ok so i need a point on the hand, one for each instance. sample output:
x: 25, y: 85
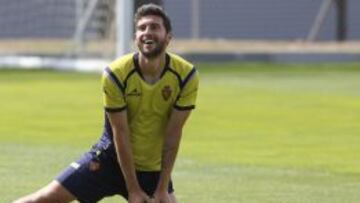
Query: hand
x: 139, y: 197
x: 161, y: 196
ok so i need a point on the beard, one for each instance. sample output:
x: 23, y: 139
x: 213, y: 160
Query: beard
x: 153, y: 53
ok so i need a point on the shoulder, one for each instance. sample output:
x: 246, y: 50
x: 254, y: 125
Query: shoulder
x: 178, y: 63
x: 122, y: 66
x: 181, y: 66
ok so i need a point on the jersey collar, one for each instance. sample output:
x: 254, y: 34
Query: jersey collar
x: 137, y: 66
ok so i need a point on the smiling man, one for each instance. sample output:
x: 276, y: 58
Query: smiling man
x: 148, y: 97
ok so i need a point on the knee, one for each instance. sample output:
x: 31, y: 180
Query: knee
x: 172, y: 198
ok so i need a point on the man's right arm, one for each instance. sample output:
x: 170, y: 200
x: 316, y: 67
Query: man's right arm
x: 121, y: 136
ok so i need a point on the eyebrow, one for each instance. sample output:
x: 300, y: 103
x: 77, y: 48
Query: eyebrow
x: 151, y: 23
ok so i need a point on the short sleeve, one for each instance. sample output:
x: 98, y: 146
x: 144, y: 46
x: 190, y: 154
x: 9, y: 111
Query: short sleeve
x: 189, y: 89
x: 113, y: 96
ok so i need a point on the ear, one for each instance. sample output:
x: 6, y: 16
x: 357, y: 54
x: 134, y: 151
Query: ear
x: 169, y: 36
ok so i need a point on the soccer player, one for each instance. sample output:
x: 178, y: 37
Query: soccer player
x: 148, y: 97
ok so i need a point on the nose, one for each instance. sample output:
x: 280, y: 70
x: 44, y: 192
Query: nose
x: 147, y: 30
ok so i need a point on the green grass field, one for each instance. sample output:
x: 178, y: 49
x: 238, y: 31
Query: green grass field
x: 261, y: 133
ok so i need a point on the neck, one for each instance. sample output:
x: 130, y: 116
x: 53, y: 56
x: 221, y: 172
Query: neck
x: 152, y: 66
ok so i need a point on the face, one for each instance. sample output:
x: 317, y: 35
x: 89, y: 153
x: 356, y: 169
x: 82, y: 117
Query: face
x: 151, y: 37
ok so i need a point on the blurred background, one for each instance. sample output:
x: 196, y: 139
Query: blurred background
x: 204, y: 30
x: 278, y: 110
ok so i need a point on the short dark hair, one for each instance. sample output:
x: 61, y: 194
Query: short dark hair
x: 153, y: 9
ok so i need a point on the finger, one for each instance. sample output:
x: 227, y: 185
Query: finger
x: 149, y: 200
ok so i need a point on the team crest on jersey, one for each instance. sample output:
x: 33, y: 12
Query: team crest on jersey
x: 166, y: 92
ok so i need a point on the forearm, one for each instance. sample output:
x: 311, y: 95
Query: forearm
x: 169, y: 154
x: 125, y: 159
x: 121, y: 138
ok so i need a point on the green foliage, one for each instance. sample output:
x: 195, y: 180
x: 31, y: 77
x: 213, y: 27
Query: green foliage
x: 261, y: 133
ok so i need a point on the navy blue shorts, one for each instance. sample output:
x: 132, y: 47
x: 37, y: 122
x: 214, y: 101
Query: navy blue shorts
x: 97, y: 175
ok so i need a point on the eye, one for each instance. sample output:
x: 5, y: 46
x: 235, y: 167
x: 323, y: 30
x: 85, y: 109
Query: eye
x: 141, y: 27
x: 154, y: 26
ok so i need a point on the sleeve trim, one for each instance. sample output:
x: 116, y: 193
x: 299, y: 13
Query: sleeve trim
x: 111, y: 110
x: 113, y: 77
x: 188, y: 77
x: 184, y: 108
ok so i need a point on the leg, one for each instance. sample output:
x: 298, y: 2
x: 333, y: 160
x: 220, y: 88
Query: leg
x: 93, y: 177
x: 89, y: 179
x: 52, y: 193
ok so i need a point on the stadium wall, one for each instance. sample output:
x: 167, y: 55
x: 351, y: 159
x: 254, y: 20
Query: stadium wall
x: 221, y: 24
x: 260, y: 19
x: 228, y: 19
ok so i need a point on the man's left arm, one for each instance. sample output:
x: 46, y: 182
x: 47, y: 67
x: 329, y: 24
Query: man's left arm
x: 180, y: 113
x: 170, y: 148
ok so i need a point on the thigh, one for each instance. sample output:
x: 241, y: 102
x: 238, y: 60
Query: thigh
x: 53, y: 192
x: 93, y: 177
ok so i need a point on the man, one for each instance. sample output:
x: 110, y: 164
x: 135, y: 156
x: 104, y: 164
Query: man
x: 148, y: 96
